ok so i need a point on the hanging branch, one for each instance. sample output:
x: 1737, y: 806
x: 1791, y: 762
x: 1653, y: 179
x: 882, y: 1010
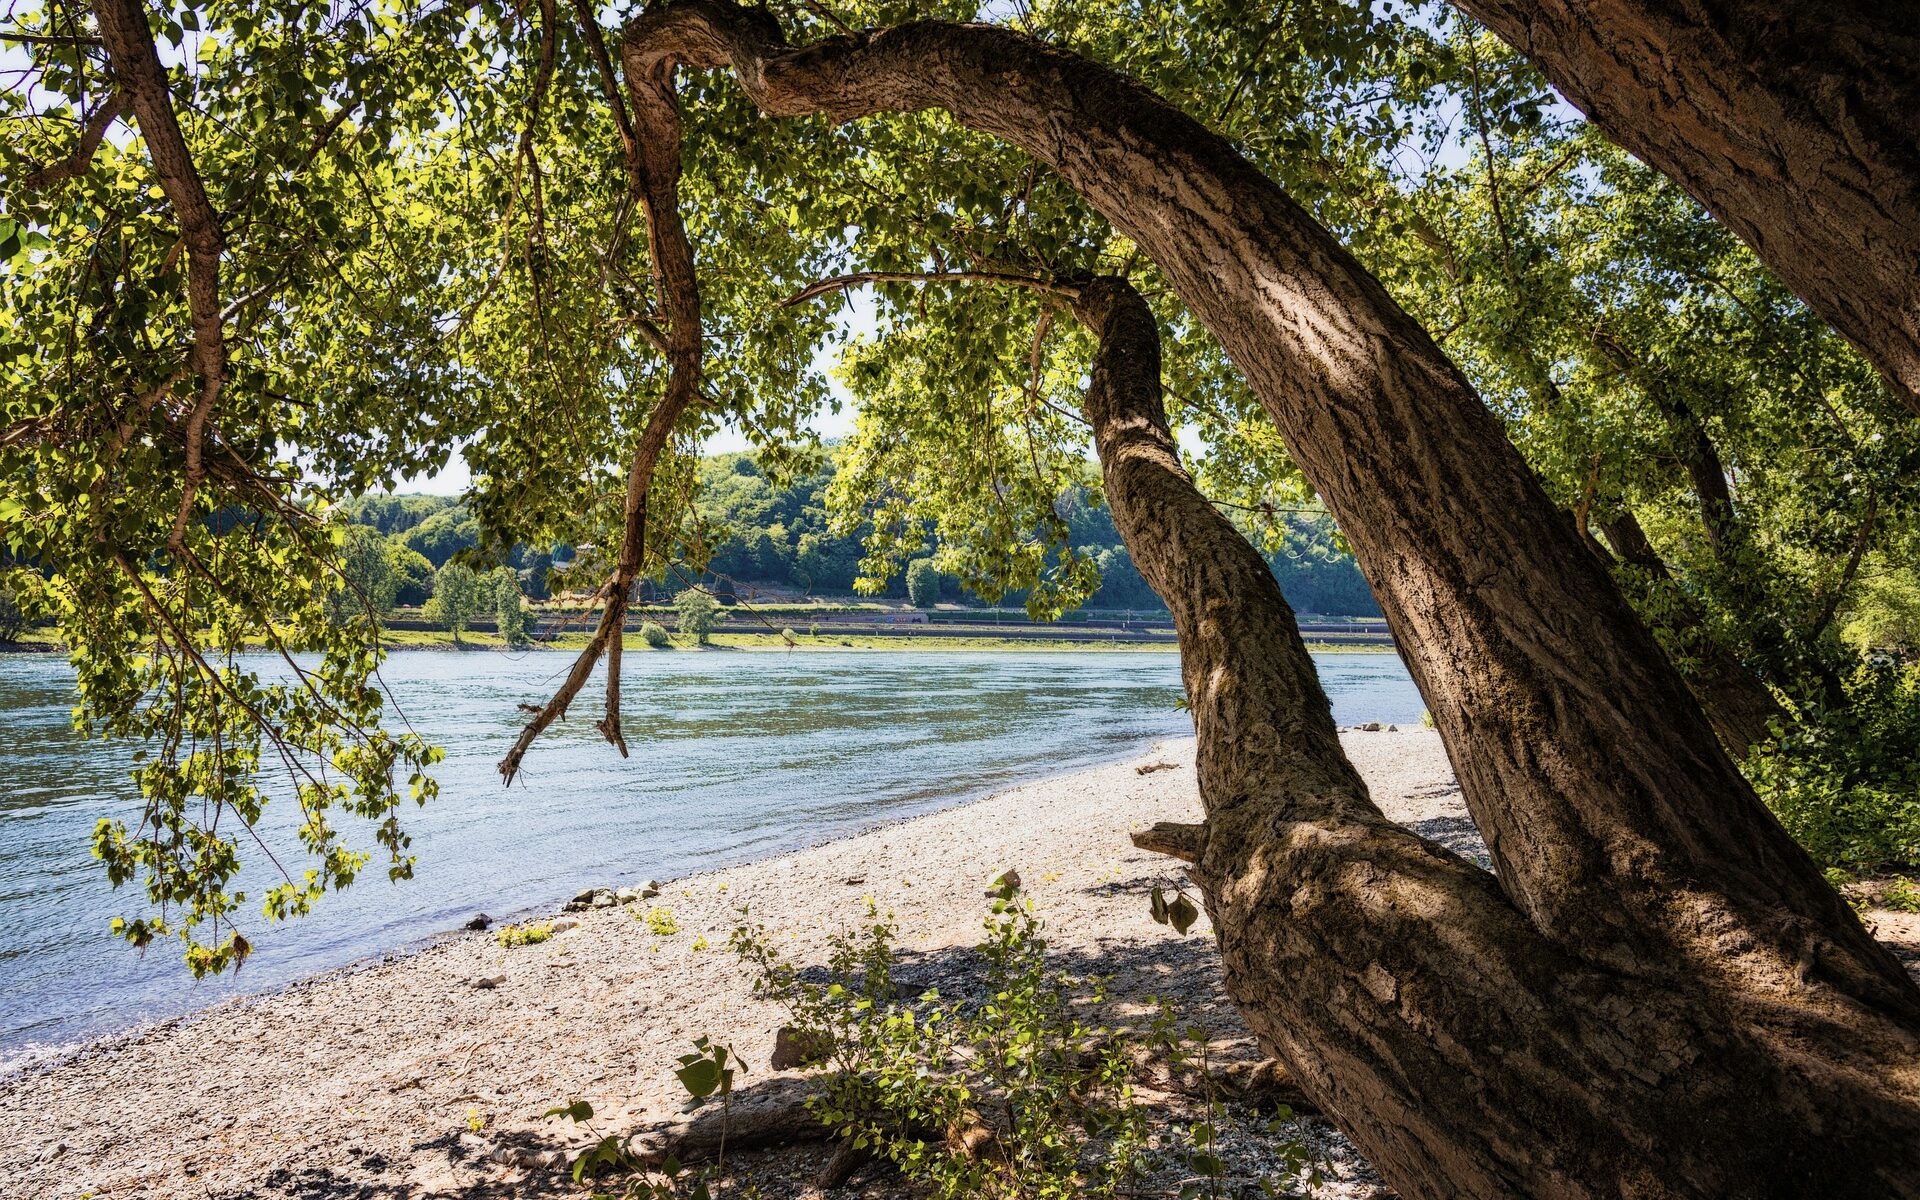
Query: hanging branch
x: 143, y: 81
x: 656, y: 132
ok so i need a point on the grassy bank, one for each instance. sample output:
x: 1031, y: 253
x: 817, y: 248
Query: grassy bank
x: 42, y: 640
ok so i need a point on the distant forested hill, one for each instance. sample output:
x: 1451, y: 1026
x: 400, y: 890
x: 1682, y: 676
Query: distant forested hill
x: 780, y: 536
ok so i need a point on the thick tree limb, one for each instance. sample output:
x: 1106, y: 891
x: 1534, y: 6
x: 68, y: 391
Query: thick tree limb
x: 1184, y: 842
x: 1651, y: 924
x: 143, y: 81
x: 1608, y: 806
x: 1391, y: 978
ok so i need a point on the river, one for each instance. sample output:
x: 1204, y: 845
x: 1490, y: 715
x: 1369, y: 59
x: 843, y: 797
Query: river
x: 736, y: 756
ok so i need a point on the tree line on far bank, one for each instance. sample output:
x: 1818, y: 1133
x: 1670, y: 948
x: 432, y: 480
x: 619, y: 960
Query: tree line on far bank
x: 783, y: 534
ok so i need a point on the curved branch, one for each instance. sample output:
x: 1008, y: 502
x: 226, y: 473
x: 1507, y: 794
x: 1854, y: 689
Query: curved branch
x: 656, y: 129
x: 1610, y: 810
x: 91, y: 136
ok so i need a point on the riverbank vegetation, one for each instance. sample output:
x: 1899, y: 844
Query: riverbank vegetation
x: 1634, y: 487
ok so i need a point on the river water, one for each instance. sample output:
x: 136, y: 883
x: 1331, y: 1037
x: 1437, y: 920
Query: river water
x: 736, y: 756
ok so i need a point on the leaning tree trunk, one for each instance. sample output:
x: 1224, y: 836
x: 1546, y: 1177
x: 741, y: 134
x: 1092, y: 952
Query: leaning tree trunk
x: 1466, y: 1053
x: 1796, y: 122
x: 1627, y: 847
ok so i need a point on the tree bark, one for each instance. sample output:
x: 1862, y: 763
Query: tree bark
x: 1639, y: 879
x: 1796, y: 122
x: 1467, y: 1054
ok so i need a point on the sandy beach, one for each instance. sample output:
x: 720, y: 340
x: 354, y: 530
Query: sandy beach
x: 402, y: 1078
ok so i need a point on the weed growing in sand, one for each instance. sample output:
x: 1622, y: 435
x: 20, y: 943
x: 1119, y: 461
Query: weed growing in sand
x: 524, y: 935
x: 659, y: 921
x: 706, y: 1074
x: 1901, y: 896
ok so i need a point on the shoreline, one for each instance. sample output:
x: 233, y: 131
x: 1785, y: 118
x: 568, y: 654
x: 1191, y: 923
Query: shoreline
x: 376, y: 1073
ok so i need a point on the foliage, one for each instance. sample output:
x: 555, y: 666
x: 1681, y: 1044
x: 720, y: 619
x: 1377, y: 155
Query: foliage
x: 923, y: 583
x: 412, y: 575
x: 530, y: 934
x: 655, y: 634
x: 1847, y: 785
x: 1885, y: 616
x: 368, y: 583
x: 659, y: 921
x: 13, y: 614
x: 913, y: 1078
x: 457, y: 598
x: 428, y: 247
x: 696, y: 612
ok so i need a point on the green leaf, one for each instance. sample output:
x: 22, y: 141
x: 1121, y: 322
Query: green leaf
x: 1181, y: 914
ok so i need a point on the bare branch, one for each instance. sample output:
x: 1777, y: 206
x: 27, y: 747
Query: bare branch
x: 1181, y: 841
x: 90, y: 139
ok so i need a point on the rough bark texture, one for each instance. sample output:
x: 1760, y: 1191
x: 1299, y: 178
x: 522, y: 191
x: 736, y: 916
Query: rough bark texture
x: 1656, y: 959
x: 1796, y: 122
x: 1467, y: 1054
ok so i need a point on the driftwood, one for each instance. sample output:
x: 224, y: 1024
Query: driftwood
x: 776, y: 1113
x: 769, y: 1114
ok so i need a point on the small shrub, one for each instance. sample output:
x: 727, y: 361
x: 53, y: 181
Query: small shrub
x: 524, y: 935
x: 1426, y: 718
x: 790, y: 637
x: 813, y: 630
x: 659, y: 920
x: 697, y: 613
x: 654, y: 634
x: 1901, y: 896
x: 909, y: 1076
x: 923, y: 583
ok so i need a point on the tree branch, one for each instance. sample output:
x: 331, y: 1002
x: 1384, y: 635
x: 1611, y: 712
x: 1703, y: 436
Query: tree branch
x: 143, y: 81
x: 82, y: 158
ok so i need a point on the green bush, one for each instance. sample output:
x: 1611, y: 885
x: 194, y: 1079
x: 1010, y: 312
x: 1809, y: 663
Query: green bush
x: 909, y: 1075
x: 1847, y: 786
x: 13, y: 618
x: 654, y: 634
x: 524, y: 935
x: 697, y: 613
